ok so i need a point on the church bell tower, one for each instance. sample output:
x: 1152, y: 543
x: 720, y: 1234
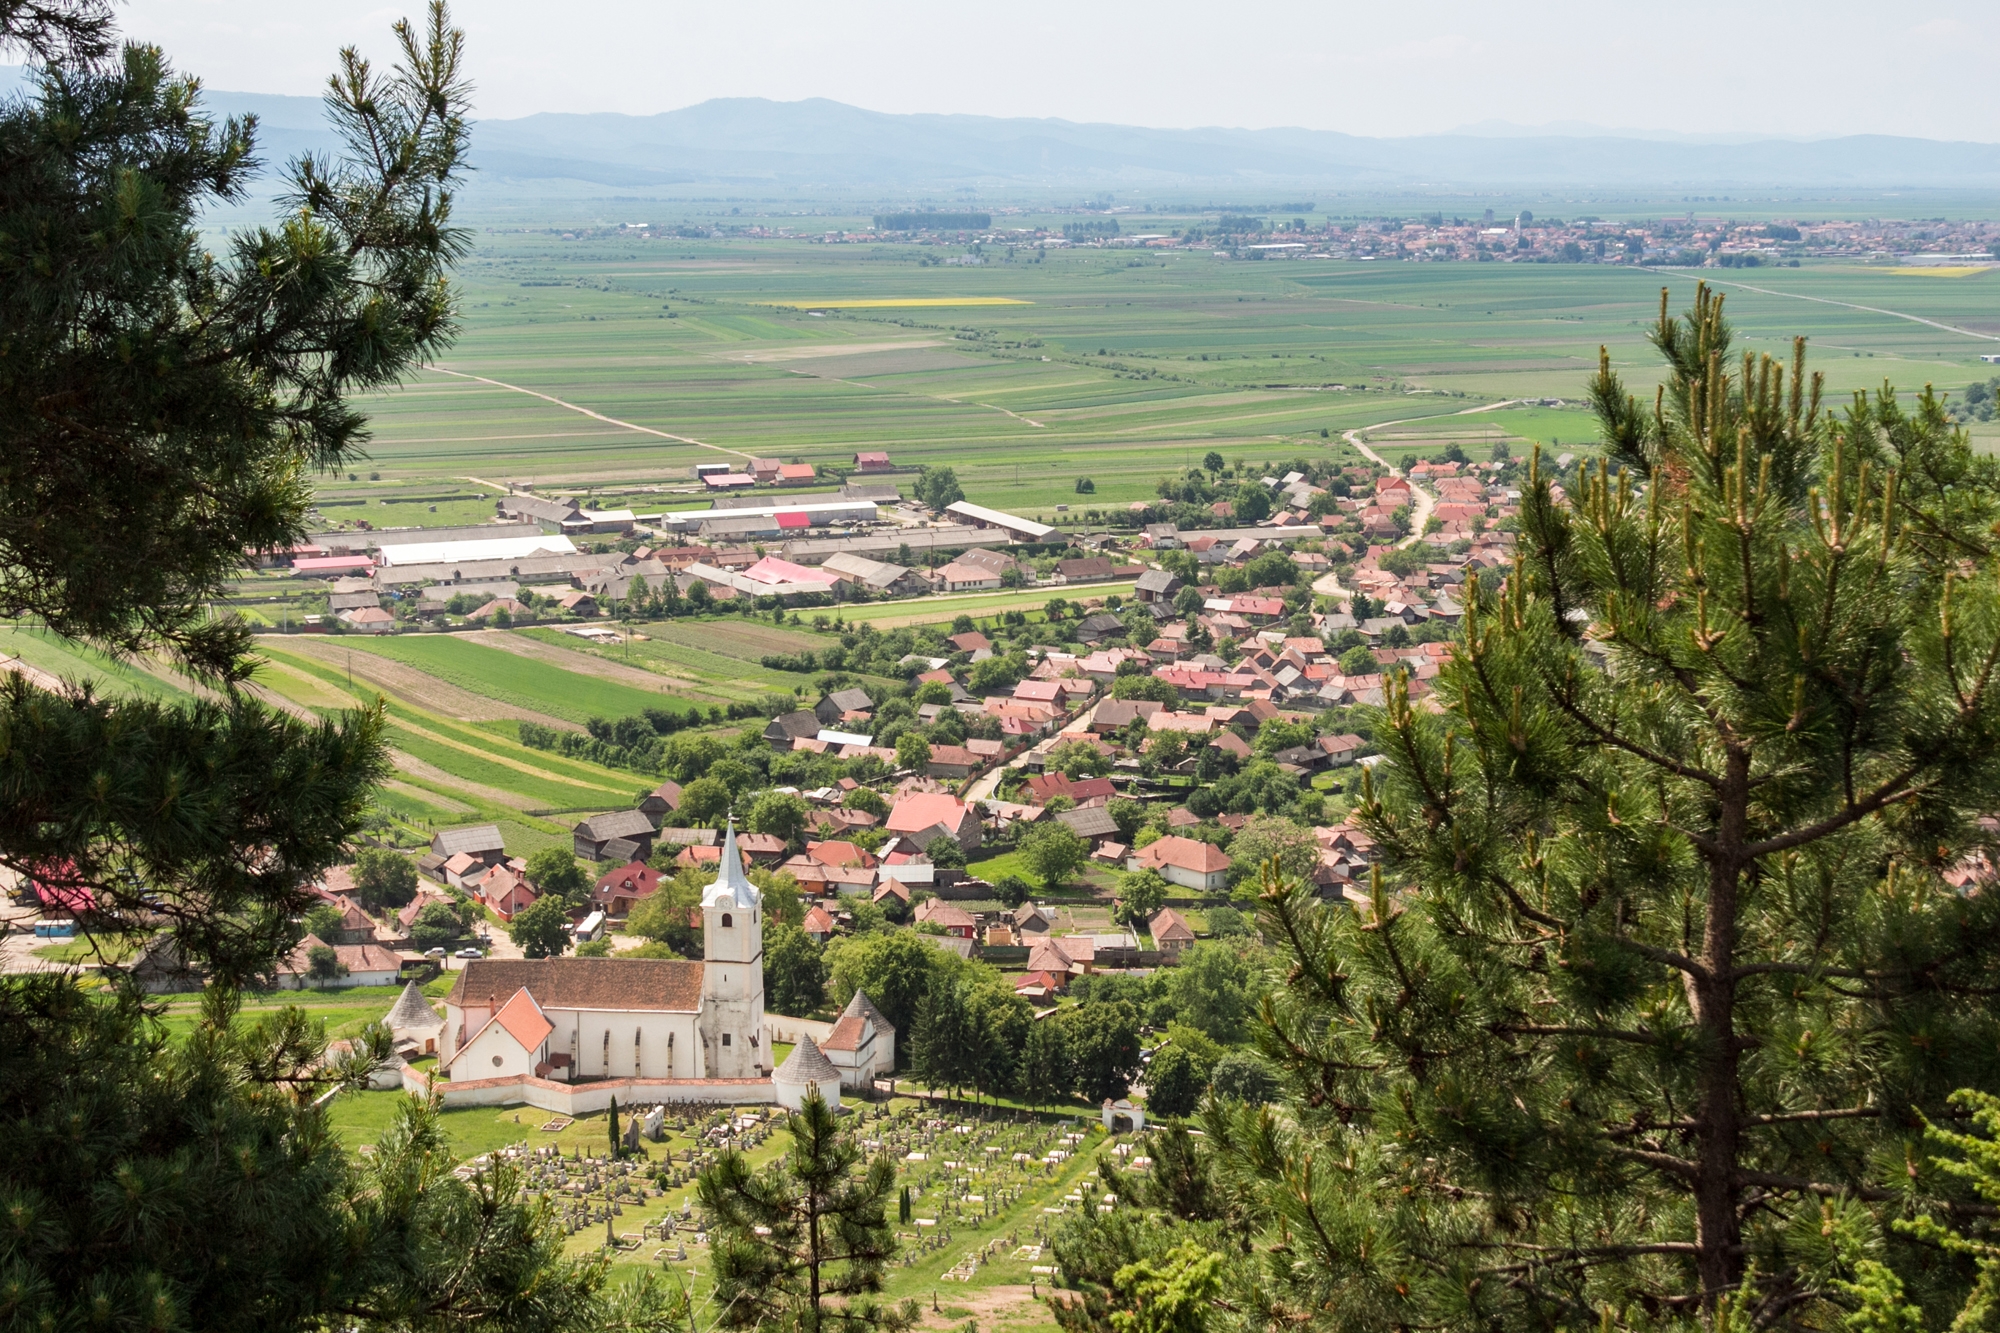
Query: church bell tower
x: 732, y: 986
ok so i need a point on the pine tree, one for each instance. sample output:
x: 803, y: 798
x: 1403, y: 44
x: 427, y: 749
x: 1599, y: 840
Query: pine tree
x: 611, y: 1124
x: 1666, y: 947
x: 788, y: 1239
x: 944, y: 1044
x: 161, y: 411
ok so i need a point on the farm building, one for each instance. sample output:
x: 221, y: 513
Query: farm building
x: 876, y: 576
x: 480, y: 842
x: 549, y: 514
x: 488, y: 548
x: 1016, y: 527
x: 958, y: 576
x: 872, y: 460
x: 623, y: 835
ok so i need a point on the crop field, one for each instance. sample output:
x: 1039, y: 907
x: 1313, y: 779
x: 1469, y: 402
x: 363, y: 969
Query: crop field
x: 549, y: 681
x: 708, y: 660
x: 1026, y: 374
x: 450, y: 769
x: 941, y: 610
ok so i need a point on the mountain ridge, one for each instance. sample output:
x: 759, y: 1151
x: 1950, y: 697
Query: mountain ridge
x: 821, y: 143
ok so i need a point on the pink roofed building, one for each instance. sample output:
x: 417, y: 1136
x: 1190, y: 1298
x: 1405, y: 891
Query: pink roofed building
x: 922, y: 816
x: 772, y: 570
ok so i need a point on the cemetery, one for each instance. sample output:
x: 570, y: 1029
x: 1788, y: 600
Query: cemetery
x: 980, y: 1188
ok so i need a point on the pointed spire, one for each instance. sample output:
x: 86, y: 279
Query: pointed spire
x: 732, y: 888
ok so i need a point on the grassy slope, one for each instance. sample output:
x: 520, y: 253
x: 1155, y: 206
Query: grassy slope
x: 41, y: 649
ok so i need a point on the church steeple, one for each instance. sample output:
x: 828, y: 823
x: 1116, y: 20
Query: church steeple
x: 732, y: 948
x: 732, y: 887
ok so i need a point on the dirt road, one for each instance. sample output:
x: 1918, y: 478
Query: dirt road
x: 1421, y: 500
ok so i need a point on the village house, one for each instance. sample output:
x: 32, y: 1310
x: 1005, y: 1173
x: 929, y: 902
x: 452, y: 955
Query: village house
x: 618, y: 891
x: 948, y: 917
x: 1192, y: 865
x: 922, y: 816
x: 1170, y: 932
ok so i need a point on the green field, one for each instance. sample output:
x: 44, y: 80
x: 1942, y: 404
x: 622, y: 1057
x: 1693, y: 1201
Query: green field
x: 1120, y: 367
x: 511, y: 678
x: 451, y: 771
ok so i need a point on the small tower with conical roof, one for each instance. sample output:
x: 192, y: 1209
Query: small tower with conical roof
x: 732, y: 988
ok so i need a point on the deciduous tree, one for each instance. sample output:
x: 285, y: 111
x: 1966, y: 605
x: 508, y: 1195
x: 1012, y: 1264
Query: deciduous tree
x: 1052, y: 852
x: 383, y: 878
x: 541, y: 929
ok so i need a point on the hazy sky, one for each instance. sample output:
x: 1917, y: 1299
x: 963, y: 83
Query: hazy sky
x: 1780, y: 67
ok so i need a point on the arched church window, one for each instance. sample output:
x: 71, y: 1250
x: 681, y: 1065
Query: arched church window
x: 727, y: 922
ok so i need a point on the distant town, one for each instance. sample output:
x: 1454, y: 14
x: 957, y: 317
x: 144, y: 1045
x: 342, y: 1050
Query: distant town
x: 1691, y: 240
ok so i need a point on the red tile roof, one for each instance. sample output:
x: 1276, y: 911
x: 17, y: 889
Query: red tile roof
x: 672, y: 984
x: 1186, y: 854
x: 920, y: 810
x: 524, y: 1020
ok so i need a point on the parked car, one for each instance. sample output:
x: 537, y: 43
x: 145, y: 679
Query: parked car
x: 470, y: 953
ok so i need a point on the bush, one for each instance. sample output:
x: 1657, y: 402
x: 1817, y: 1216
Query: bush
x: 1012, y: 890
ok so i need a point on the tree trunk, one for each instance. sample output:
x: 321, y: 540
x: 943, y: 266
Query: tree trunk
x: 1718, y: 1114
x: 812, y: 1241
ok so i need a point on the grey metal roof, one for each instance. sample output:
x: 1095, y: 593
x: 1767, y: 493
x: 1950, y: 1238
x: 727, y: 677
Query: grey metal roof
x: 617, y: 824
x: 478, y: 838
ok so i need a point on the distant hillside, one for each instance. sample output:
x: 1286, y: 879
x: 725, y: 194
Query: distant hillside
x: 818, y: 142
x: 748, y: 141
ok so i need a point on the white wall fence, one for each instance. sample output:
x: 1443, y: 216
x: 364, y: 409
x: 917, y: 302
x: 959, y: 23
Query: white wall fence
x: 587, y: 1098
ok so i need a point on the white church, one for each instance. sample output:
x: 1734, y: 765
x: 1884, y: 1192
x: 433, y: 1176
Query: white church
x: 570, y: 1034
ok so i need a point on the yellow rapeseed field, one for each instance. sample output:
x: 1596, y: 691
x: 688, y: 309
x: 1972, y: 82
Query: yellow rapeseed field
x: 892, y: 302
x: 1941, y: 272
